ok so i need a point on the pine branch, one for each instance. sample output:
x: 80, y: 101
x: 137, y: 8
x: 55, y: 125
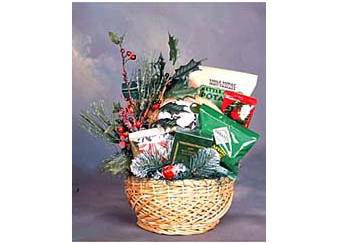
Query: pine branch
x: 206, y: 164
x: 146, y: 163
x: 100, y: 112
x: 99, y: 124
x: 118, y: 163
x: 151, y: 81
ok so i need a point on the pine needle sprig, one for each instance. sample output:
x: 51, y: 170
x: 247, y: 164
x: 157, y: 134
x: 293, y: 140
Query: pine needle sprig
x: 206, y: 164
x: 100, y: 112
x: 146, y: 163
x: 118, y: 163
x: 99, y: 124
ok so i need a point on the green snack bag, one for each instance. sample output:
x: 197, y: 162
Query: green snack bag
x: 231, y: 139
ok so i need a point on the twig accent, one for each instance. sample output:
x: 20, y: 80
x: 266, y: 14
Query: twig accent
x: 125, y: 76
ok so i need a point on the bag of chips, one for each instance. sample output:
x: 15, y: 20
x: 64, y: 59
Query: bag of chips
x: 232, y: 140
x: 214, y: 81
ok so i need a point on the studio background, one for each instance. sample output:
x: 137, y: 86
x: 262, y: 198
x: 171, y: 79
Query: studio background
x: 229, y: 35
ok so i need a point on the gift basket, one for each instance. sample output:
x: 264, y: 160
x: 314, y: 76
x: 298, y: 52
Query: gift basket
x: 181, y: 133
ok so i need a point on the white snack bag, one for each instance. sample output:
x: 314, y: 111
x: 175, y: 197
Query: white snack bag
x: 214, y: 81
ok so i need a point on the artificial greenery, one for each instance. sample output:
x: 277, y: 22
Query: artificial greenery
x: 115, y: 38
x: 149, y: 85
x: 180, y: 78
x: 101, y: 123
x: 165, y: 123
x: 151, y: 81
x: 174, y: 52
x: 145, y: 164
x: 173, y: 108
x: 204, y: 164
x: 118, y: 163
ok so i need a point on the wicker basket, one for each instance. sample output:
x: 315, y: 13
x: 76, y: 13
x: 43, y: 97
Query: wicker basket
x: 182, y: 207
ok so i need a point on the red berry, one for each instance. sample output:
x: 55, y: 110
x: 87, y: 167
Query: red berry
x: 121, y: 136
x: 129, y: 53
x: 133, y: 57
x: 168, y: 172
x: 138, y: 124
x: 125, y: 134
x: 122, y: 144
x: 120, y: 129
x: 235, y: 115
x: 156, y: 106
x: 122, y: 50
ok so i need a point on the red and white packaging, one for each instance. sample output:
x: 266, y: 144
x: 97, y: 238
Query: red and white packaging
x: 239, y: 107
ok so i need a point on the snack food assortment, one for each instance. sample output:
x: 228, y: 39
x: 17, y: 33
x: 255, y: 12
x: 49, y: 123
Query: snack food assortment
x: 172, y: 119
x: 184, y: 124
x: 214, y: 81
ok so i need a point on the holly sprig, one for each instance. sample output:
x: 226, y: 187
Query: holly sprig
x: 153, y: 85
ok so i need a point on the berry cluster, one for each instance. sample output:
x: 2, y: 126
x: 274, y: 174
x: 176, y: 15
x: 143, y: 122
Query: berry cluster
x: 129, y: 124
x: 128, y: 54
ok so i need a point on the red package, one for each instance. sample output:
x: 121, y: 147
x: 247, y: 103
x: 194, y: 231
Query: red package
x: 239, y: 107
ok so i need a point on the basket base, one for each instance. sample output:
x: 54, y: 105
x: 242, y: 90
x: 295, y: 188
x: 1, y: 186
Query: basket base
x: 182, y: 207
x: 178, y: 229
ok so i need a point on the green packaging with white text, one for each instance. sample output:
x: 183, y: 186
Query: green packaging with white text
x: 232, y: 139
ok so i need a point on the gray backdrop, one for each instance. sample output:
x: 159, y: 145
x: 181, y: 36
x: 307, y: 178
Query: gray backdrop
x: 229, y: 35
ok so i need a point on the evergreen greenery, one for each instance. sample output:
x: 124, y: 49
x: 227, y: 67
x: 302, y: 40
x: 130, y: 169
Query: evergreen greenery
x: 204, y: 164
x: 118, y: 163
x: 100, y: 123
x: 145, y: 164
x: 152, y: 86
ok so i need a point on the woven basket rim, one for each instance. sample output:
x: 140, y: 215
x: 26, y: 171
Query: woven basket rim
x: 180, y: 180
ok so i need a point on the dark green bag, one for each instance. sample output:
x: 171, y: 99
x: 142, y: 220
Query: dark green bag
x: 232, y: 140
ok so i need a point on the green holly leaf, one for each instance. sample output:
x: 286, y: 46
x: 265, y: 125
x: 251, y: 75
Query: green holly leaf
x: 174, y: 52
x: 161, y: 64
x: 173, y: 108
x: 165, y: 123
x: 116, y: 38
x: 180, y: 77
